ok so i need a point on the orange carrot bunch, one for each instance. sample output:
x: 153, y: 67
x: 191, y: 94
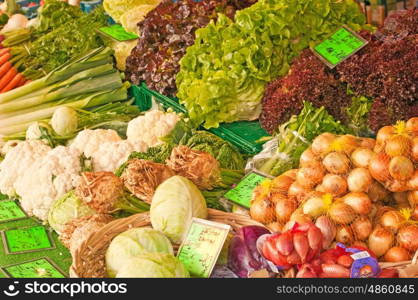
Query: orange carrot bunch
x: 10, y: 78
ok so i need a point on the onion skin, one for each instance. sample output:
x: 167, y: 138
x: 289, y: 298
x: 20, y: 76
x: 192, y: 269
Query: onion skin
x: 301, y: 244
x: 334, y: 271
x: 414, y: 149
x: 401, y: 168
x: 397, y: 186
x: 368, y: 143
x: 336, y: 163
x: 263, y: 211
x: 359, y: 202
x: 384, y: 134
x: 281, y: 184
x: 392, y: 220
x: 408, y: 237
x: 401, y: 199
x: 348, y: 143
x: 359, y: 244
x: 412, y: 197
x: 359, y: 180
x: 275, y: 227
x: 334, y: 184
x: 398, y: 145
x: 344, y: 235
x: 342, y: 213
x: 284, y: 209
x: 310, y: 177
x: 298, y: 192
x: 284, y: 243
x: 314, y: 238
x: 380, y: 241
x: 328, y: 230
x: 362, y: 227
x: 377, y: 192
x: 413, y: 182
x: 412, y: 125
x: 379, y: 167
x: 361, y: 157
x: 291, y: 173
x: 321, y: 145
x: 308, y: 158
x: 397, y: 254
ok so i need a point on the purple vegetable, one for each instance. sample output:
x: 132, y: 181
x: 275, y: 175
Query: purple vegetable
x: 244, y: 257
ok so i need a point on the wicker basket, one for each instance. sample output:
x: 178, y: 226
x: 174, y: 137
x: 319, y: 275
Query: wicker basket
x: 88, y: 259
x: 406, y: 269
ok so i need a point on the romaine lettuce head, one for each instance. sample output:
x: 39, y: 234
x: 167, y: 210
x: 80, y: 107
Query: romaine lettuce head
x: 175, y: 202
x: 132, y: 243
x: 66, y: 209
x: 153, y: 265
x: 116, y: 8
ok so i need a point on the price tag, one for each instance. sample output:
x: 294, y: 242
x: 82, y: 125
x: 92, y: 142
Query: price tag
x: 38, y: 268
x: 28, y: 239
x: 242, y: 193
x: 339, y: 46
x: 10, y: 211
x: 202, y: 246
x: 360, y: 255
x: 118, y: 33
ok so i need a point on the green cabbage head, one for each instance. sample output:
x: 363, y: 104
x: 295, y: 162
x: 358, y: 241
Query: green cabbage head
x: 175, y: 202
x: 132, y: 243
x: 66, y: 209
x: 153, y: 265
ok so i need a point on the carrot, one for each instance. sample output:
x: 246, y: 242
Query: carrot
x: 5, y: 80
x: 13, y: 83
x: 4, y: 68
x: 5, y: 57
x: 21, y: 82
x: 4, y: 50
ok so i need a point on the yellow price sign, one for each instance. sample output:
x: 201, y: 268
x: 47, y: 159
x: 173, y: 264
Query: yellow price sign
x: 202, y: 246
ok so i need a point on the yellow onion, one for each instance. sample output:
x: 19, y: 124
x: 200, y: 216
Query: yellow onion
x: 284, y: 208
x: 379, y: 167
x: 377, y: 192
x: 334, y: 184
x: 392, y: 220
x: 346, y: 143
x: 412, y: 125
x: 281, y: 184
x: 397, y: 254
x: 401, y: 168
x: 291, y: 173
x: 359, y: 202
x: 344, y: 234
x: 368, y: 143
x: 308, y: 158
x: 413, y: 182
x: 401, y: 199
x: 414, y: 215
x: 319, y: 188
x: 359, y: 244
x: 300, y: 218
x: 359, y: 180
x: 263, y: 211
x: 412, y: 197
x: 398, y: 145
x: 361, y: 157
x: 275, y: 227
x: 384, y: 134
x: 336, y: 163
x: 297, y: 191
x: 381, y: 240
x: 310, y: 176
x: 321, y: 145
x: 397, y: 186
x: 414, y: 149
x: 328, y: 230
x: 362, y: 227
x: 315, y: 205
x: 408, y: 237
x: 342, y: 213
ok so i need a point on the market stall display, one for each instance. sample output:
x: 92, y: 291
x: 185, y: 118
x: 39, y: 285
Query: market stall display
x: 136, y: 149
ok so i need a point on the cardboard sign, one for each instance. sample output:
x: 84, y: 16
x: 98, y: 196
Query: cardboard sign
x: 118, y: 33
x: 339, y: 46
x: 28, y: 239
x: 10, y: 211
x: 202, y: 246
x: 242, y: 193
x: 38, y: 268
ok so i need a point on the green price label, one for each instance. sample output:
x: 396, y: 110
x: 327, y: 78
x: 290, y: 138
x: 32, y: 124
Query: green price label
x: 27, y: 239
x: 10, y: 210
x: 117, y: 32
x: 339, y: 46
x: 202, y: 246
x: 39, y: 268
x: 242, y: 193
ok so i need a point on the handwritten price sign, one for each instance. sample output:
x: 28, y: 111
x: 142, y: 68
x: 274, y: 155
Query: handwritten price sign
x: 10, y: 211
x: 242, y: 193
x: 39, y: 268
x: 27, y: 239
x: 202, y: 246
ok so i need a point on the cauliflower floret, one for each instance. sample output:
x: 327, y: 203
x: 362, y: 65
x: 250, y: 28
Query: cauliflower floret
x: 17, y: 161
x: 88, y: 141
x: 111, y: 155
x: 152, y: 126
x: 48, y: 179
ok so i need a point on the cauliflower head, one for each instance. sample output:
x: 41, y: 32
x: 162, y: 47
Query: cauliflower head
x: 47, y: 179
x: 88, y: 141
x: 17, y: 161
x: 151, y: 127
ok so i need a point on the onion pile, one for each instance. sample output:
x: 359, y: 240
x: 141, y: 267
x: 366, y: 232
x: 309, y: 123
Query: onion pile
x: 357, y: 191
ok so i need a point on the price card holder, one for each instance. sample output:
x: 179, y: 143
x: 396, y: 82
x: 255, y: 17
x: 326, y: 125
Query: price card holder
x: 202, y: 245
x: 241, y: 194
x: 37, y: 268
x: 339, y: 46
x: 27, y: 239
x: 117, y: 32
x: 10, y: 211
